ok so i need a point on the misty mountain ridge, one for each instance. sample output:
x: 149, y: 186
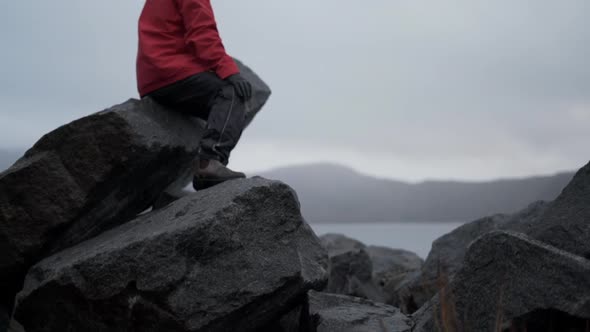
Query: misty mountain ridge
x: 331, y: 193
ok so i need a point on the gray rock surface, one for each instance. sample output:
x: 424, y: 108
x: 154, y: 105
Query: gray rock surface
x: 391, y: 267
x: 351, y: 269
x: 8, y: 325
x: 233, y: 257
x: 93, y: 174
x: 341, y: 313
x: 405, y: 292
x: 506, y: 277
x: 566, y: 223
x: 393, y: 261
x: 448, y: 251
x: 296, y: 320
x: 260, y: 91
x: 85, y: 177
x: 15, y: 327
x: 337, y: 244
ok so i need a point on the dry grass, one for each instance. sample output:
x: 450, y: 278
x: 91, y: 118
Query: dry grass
x: 447, y: 320
x: 446, y: 315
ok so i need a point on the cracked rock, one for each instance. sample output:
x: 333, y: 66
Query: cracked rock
x: 92, y: 174
x: 234, y: 257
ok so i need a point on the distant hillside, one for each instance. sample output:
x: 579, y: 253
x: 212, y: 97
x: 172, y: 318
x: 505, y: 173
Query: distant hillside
x: 332, y: 193
x: 8, y: 157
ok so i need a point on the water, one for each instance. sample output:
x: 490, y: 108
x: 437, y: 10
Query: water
x: 416, y: 237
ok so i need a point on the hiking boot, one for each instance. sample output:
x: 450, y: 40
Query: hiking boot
x: 212, y: 172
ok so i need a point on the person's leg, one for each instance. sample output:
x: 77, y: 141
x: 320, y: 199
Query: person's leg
x: 226, y: 121
x: 207, y: 96
x: 192, y: 95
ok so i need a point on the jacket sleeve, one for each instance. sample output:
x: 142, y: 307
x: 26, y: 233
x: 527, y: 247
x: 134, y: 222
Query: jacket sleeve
x: 203, y: 38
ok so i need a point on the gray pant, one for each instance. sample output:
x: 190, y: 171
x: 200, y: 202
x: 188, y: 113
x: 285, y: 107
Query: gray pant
x: 208, y: 97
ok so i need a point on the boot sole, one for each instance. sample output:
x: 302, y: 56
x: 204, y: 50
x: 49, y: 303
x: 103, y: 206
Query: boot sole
x: 202, y: 184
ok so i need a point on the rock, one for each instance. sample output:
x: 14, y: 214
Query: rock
x: 566, y: 223
x: 563, y: 223
x: 295, y: 320
x: 165, y: 198
x: 443, y: 261
x: 403, y: 292
x: 448, y: 251
x: 391, y: 267
x: 4, y: 319
x: 337, y: 244
x: 351, y: 269
x: 335, y: 312
x: 15, y: 327
x: 260, y: 91
x: 85, y: 177
x: 507, y: 279
x: 234, y: 257
x: 93, y: 174
x: 388, y: 261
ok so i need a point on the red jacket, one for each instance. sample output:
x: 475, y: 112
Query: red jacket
x: 177, y: 39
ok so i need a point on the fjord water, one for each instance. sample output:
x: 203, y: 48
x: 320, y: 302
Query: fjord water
x: 416, y: 237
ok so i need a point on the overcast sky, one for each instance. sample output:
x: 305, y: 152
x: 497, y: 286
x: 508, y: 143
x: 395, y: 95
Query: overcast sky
x: 402, y: 89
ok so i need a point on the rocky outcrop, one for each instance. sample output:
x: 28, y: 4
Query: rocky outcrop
x: 87, y: 176
x: 563, y: 223
x: 509, y: 279
x: 566, y: 223
x: 234, y: 257
x: 337, y: 244
x: 332, y: 312
x: 15, y: 326
x: 296, y: 320
x: 391, y: 267
x: 260, y: 91
x: 92, y: 174
x: 448, y: 251
x: 351, y: 269
x: 370, y: 272
x: 389, y: 262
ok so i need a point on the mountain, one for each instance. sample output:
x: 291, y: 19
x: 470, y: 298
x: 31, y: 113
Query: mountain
x: 331, y: 193
x: 335, y: 194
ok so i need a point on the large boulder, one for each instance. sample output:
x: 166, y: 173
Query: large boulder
x: 509, y: 280
x: 351, y: 269
x: 566, y: 223
x: 234, y: 257
x: 260, y: 91
x: 93, y: 174
x: 15, y: 326
x: 335, y: 312
x: 85, y: 177
x: 8, y: 325
x: 448, y: 252
x: 391, y: 267
x: 296, y: 320
x: 389, y: 261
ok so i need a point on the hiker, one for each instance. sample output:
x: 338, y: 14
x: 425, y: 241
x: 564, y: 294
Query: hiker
x: 182, y: 64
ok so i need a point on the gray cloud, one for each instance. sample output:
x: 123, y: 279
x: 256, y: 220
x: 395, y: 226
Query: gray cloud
x: 430, y: 89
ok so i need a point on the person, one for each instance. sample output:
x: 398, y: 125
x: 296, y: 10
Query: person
x: 182, y: 64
